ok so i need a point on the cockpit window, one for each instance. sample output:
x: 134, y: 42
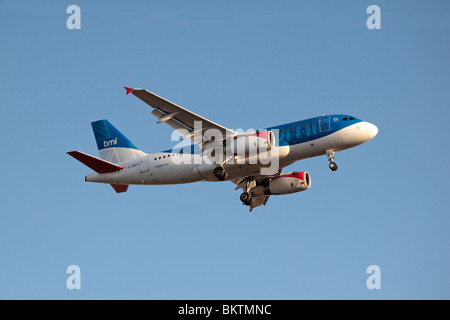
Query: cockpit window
x: 351, y: 118
x: 345, y: 119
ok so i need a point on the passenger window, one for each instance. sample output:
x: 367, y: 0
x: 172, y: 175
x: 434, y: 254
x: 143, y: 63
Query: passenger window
x: 159, y: 157
x: 155, y: 159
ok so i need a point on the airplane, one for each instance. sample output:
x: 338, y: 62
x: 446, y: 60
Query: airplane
x: 252, y: 160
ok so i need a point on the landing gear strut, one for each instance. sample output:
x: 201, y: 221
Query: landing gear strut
x: 333, y: 166
x: 246, y: 196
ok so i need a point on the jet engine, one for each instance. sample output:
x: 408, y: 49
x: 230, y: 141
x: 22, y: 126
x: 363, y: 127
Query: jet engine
x: 287, y: 183
x: 246, y: 144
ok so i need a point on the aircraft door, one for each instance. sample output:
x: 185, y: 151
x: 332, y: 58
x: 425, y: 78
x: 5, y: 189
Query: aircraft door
x: 143, y: 164
x: 324, y: 123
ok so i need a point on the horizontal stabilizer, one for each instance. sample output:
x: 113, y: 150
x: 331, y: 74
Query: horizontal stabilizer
x: 96, y: 164
x: 120, y: 187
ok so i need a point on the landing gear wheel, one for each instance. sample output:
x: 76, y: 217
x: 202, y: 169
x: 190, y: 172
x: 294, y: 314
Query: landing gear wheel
x: 220, y: 173
x: 246, y: 198
x: 333, y: 166
x: 330, y: 155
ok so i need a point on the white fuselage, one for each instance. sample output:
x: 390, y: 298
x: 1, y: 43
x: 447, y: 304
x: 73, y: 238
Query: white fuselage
x: 168, y: 168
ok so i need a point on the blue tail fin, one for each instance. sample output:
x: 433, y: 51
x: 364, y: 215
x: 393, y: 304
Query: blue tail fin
x: 112, y: 145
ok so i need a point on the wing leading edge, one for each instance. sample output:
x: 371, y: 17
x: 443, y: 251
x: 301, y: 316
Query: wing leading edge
x: 175, y: 116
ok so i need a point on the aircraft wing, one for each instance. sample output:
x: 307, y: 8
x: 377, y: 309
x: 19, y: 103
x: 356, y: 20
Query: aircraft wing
x: 175, y: 116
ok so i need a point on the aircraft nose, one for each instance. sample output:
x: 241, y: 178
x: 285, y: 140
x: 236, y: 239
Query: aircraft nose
x: 369, y: 129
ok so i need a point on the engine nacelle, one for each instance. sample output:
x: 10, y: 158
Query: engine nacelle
x: 247, y: 144
x: 288, y: 183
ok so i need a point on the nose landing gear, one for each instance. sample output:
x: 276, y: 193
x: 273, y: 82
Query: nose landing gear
x: 330, y: 154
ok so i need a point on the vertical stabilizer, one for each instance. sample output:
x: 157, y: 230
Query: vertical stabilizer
x: 112, y: 145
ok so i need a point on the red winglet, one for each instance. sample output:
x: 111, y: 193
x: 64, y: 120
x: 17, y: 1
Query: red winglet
x: 96, y: 164
x: 129, y: 90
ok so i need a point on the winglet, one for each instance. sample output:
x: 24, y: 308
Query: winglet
x: 129, y: 90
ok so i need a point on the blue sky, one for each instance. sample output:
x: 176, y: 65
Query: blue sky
x: 243, y: 64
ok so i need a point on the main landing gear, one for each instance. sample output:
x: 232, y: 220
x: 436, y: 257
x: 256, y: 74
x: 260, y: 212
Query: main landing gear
x: 220, y: 173
x: 333, y: 166
x: 246, y: 196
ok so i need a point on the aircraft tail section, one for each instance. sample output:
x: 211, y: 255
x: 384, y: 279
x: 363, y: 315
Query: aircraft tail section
x: 100, y: 166
x: 112, y: 145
